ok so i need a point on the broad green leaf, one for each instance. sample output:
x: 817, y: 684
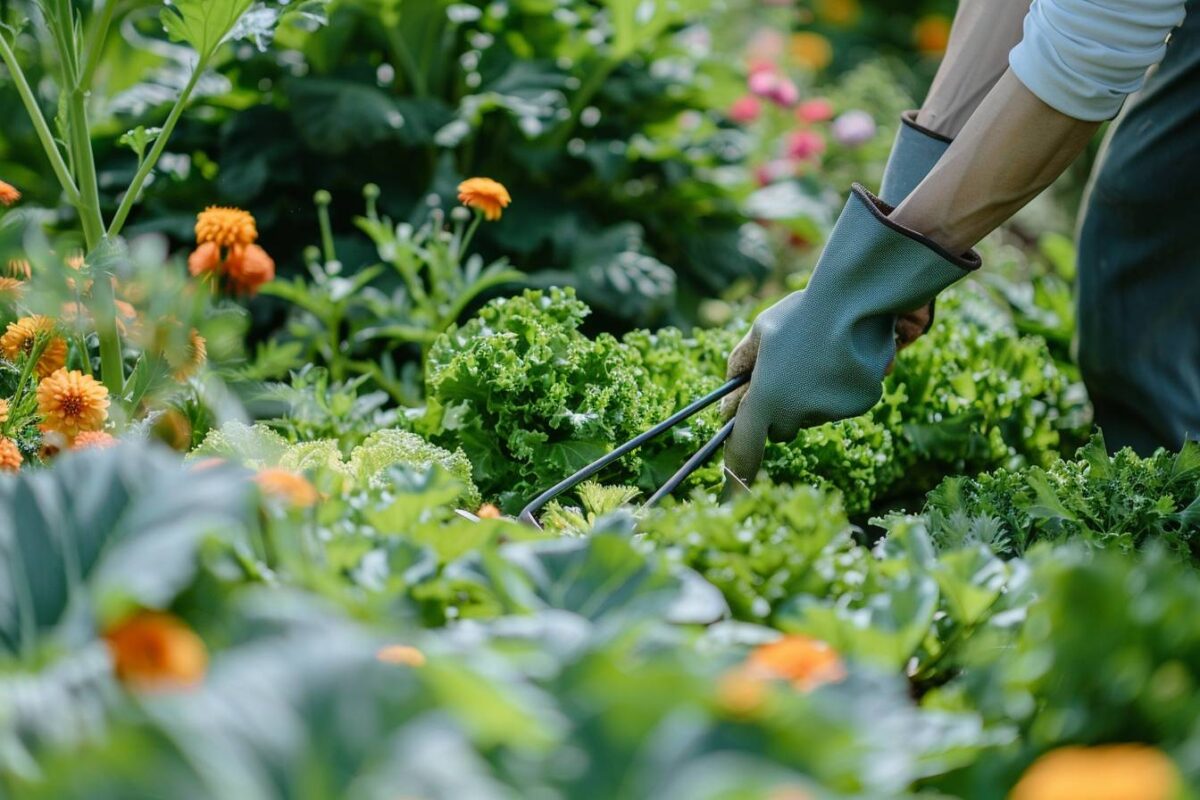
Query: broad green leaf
x: 102, y: 530
x: 204, y: 24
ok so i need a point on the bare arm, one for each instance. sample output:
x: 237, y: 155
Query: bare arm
x: 1011, y: 148
x: 984, y: 32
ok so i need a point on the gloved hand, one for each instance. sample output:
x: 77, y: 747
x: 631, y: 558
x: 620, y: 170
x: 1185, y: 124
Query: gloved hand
x: 820, y: 354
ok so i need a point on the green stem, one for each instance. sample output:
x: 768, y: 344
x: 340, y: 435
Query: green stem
x: 112, y: 362
x: 85, y: 168
x: 465, y: 242
x: 97, y: 35
x: 322, y: 200
x: 61, y: 171
x: 34, y: 355
x: 135, y: 187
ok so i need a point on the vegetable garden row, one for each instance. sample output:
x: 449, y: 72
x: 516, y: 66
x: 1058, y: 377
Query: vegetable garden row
x: 258, y: 539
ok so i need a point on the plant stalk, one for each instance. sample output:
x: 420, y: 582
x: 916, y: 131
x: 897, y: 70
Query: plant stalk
x: 97, y: 35
x: 61, y: 171
x: 160, y: 144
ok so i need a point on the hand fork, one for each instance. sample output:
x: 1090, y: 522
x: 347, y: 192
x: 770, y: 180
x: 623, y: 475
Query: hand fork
x: 672, y: 483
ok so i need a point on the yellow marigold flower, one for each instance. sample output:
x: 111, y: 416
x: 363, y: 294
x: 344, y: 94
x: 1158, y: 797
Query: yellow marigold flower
x: 154, y: 651
x: 93, y: 440
x: 249, y: 268
x: 811, y: 50
x: 19, y: 339
x: 1108, y: 772
x: 401, y: 654
x: 205, y: 258
x: 488, y: 511
x: 195, y: 356
x: 20, y: 268
x: 807, y: 663
x: 931, y: 34
x: 293, y: 489
x: 10, y: 289
x: 486, y: 195
x: 8, y: 193
x: 3, y: 411
x: 226, y: 227
x: 10, y: 455
x: 71, y: 402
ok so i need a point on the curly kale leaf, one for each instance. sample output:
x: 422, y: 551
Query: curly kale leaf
x: 763, y: 548
x: 531, y: 399
x: 1121, y: 502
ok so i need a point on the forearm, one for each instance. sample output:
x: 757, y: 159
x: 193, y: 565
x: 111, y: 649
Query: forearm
x: 1011, y: 148
x: 984, y: 32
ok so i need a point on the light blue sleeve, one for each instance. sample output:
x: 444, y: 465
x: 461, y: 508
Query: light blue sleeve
x: 1083, y: 57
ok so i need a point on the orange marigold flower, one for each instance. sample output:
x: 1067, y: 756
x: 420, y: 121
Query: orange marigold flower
x: 10, y: 455
x: 486, y: 195
x: 811, y: 50
x: 8, y: 193
x: 10, y: 289
x: 93, y: 440
x: 75, y: 260
x: 3, y: 411
x: 807, y: 663
x: 194, y: 358
x: 153, y: 651
x: 1108, y: 772
x: 205, y: 258
x: 932, y: 34
x: 293, y: 489
x: 249, y: 268
x: 173, y: 429
x: 20, y: 268
x: 226, y: 227
x: 741, y: 693
x: 401, y: 654
x: 488, y: 511
x: 19, y: 338
x: 71, y: 402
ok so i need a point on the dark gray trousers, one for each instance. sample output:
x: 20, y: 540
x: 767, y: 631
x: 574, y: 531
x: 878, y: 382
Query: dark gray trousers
x: 1139, y: 260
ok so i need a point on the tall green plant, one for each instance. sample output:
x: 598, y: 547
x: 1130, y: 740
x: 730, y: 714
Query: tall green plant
x: 76, y: 43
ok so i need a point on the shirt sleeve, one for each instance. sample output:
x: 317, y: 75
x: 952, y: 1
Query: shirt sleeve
x: 1084, y: 57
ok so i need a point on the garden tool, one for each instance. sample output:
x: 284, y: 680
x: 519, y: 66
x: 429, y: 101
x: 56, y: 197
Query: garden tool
x: 672, y: 483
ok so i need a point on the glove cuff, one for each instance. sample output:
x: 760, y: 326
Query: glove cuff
x: 915, y: 152
x: 875, y: 266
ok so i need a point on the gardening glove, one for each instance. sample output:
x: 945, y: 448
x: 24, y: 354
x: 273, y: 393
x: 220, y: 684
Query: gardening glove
x: 914, y: 153
x: 820, y: 354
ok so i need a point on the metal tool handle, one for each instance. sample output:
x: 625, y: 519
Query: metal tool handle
x: 527, y: 513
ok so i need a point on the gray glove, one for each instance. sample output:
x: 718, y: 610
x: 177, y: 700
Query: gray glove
x: 820, y: 354
x: 915, y: 152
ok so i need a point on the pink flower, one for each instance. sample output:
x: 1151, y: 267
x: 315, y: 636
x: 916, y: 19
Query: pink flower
x: 772, y: 171
x: 816, y: 110
x: 762, y: 82
x: 766, y: 45
x: 853, y: 128
x: 805, y: 145
x: 786, y: 93
x: 745, y: 109
x: 774, y: 87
